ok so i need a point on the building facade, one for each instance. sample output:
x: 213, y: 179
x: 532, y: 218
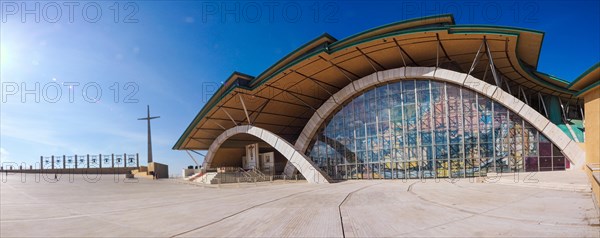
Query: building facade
x: 427, y: 129
x: 422, y: 98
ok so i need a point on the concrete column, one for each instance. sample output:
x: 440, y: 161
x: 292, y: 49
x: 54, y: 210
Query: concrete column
x: 64, y: 162
x: 100, y: 159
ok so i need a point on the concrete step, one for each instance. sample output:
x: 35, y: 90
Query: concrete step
x: 143, y: 175
x: 194, y: 176
x: 555, y: 186
x: 559, y: 180
x: 206, y: 178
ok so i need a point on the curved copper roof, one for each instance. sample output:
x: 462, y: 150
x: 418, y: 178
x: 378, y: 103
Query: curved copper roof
x: 284, y: 97
x: 586, y: 81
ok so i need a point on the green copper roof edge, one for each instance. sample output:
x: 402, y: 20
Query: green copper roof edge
x: 349, y: 38
x: 330, y: 50
x: 303, y: 57
x: 536, y: 78
x: 240, y: 74
x: 302, y: 47
x: 537, y: 62
x: 201, y: 115
x: 518, y: 29
x: 336, y: 48
x: 533, y: 76
x: 585, y: 73
x: 543, y: 81
x: 209, y: 107
x: 512, y: 28
x: 400, y: 32
x: 584, y: 90
x: 473, y: 32
x: 553, y: 77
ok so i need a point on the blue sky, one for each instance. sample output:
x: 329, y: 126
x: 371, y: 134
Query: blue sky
x: 173, y: 54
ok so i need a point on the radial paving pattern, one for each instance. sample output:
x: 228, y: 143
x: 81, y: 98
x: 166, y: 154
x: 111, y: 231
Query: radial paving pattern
x: 373, y: 208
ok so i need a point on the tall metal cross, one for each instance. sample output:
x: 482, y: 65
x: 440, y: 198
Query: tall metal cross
x: 148, y: 118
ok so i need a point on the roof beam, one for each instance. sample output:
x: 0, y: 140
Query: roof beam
x: 222, y: 127
x: 268, y: 113
x: 437, y: 55
x: 506, y: 52
x: 371, y: 61
x: 476, y: 59
x: 276, y: 100
x: 507, y: 87
x: 315, y: 81
x: 442, y: 46
x: 299, y: 99
x: 206, y: 138
x: 263, y: 88
x: 210, y: 129
x: 300, y: 94
x: 403, y: 51
x: 564, y: 112
x: 485, y: 73
x: 491, y: 61
x: 257, y: 123
x: 230, y: 117
x: 524, y: 95
x: 289, y: 124
x: 541, y: 99
x: 245, y: 110
x: 341, y: 70
x: 261, y: 107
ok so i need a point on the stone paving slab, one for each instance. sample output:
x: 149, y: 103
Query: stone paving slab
x: 369, y: 208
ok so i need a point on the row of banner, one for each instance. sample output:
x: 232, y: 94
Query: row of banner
x: 89, y: 161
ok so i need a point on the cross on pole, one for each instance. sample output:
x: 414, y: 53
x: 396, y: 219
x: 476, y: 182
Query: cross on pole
x: 148, y: 118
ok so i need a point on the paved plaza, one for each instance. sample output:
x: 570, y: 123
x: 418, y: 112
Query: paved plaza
x: 99, y: 206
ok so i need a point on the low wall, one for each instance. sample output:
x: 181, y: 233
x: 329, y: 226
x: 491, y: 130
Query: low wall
x: 161, y: 170
x: 122, y: 170
x: 593, y: 172
x: 189, y: 172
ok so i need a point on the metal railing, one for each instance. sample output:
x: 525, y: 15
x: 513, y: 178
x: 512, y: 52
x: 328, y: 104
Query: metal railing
x: 241, y: 176
x: 284, y: 177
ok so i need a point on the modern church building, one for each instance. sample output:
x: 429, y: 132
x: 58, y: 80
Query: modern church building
x: 422, y: 98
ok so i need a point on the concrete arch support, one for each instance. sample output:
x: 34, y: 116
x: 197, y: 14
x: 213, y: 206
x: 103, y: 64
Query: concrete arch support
x: 296, y: 160
x: 569, y: 147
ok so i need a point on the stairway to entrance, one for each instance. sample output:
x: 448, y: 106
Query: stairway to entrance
x: 238, y: 175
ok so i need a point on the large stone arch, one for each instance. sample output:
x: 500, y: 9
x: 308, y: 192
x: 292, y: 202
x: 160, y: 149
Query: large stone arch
x: 296, y: 159
x: 568, y: 147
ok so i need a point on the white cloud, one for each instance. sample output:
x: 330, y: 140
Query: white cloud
x: 3, y: 154
x: 32, y: 130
